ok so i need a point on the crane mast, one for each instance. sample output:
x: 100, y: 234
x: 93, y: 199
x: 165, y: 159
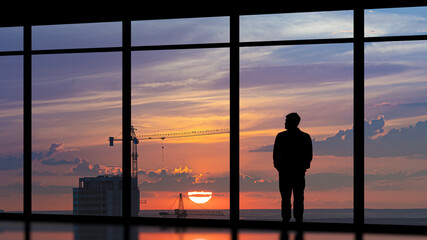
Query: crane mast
x: 134, y: 156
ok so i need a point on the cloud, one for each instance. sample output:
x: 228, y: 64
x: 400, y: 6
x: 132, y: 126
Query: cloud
x: 84, y: 168
x: 46, y: 159
x: 11, y: 162
x: 331, y: 181
x: 54, y: 162
x: 257, y: 184
x: 296, y: 26
x: 175, y: 31
x: 328, y: 181
x: 37, y: 188
x: 16, y: 161
x: 296, y: 76
x: 394, y: 22
x: 59, y: 148
x: 405, y: 141
x: 181, y: 178
x: 54, y: 149
x: 185, y: 179
x: 383, y: 69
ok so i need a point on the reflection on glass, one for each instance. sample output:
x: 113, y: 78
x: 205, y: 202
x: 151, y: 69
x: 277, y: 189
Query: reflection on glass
x: 180, y: 108
x: 87, y: 35
x: 67, y: 231
x: 297, y: 235
x: 11, y: 39
x: 291, y: 26
x: 11, y: 230
x: 160, y: 233
x: 392, y: 237
x: 396, y: 133
x: 76, y: 107
x: 180, y: 31
x: 316, y: 82
x: 11, y: 132
x: 396, y: 21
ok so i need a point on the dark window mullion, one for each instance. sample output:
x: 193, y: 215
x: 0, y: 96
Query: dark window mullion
x: 126, y: 119
x: 234, y: 118
x: 358, y: 115
x: 27, y: 136
x: 27, y: 111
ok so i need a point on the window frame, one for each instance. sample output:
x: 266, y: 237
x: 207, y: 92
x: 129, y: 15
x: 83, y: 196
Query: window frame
x: 358, y: 40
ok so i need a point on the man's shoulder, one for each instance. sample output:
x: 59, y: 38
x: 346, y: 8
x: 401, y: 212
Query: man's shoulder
x: 298, y: 132
x: 304, y: 133
x: 281, y: 134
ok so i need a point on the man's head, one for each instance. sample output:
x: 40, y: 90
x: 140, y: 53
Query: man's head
x: 292, y: 121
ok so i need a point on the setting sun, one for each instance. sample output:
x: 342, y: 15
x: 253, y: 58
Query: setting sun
x: 200, y: 197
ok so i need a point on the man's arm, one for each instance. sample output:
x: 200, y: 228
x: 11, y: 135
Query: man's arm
x: 276, y: 161
x: 309, y: 151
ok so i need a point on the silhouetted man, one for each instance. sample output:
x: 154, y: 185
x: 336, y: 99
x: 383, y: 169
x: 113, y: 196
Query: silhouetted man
x: 292, y: 156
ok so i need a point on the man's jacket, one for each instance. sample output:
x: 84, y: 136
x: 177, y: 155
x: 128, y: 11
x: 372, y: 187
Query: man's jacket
x: 293, y: 151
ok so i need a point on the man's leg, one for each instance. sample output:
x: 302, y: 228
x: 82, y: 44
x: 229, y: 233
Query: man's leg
x: 286, y: 191
x: 298, y: 189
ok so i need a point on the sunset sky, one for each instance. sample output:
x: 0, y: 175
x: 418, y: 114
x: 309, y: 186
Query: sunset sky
x: 77, y: 106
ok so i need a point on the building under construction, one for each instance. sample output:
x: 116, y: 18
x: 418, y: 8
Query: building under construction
x: 102, y: 195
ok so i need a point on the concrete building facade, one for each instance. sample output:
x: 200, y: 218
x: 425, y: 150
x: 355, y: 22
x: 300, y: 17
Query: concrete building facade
x: 102, y: 195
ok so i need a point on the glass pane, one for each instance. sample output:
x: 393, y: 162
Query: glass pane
x: 180, y: 31
x: 87, y: 35
x: 291, y: 26
x: 11, y: 39
x: 396, y: 132
x: 183, y: 96
x: 11, y: 133
x: 315, y: 81
x: 396, y: 21
x: 76, y: 108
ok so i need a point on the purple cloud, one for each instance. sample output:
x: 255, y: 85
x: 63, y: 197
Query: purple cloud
x: 405, y: 141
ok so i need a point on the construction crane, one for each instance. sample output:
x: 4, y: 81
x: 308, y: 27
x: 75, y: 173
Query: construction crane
x: 135, y: 141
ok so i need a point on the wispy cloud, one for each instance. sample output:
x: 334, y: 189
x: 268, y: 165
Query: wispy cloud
x: 296, y: 26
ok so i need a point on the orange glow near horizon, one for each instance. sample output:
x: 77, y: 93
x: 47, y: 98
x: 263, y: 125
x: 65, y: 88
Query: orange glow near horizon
x: 200, y: 197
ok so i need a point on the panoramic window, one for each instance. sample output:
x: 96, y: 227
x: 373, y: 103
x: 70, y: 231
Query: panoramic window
x: 395, y: 132
x: 76, y: 107
x: 316, y: 81
x: 295, y: 26
x: 180, y: 112
x: 180, y: 106
x: 11, y: 133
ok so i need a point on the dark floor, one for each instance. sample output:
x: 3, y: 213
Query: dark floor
x: 15, y: 230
